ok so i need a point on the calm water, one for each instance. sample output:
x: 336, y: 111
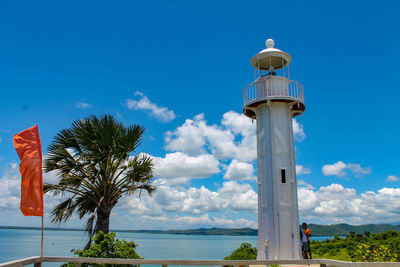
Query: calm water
x: 17, y: 244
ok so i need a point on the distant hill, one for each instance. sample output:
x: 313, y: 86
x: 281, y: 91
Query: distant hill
x: 344, y: 229
x: 316, y: 229
x: 201, y: 231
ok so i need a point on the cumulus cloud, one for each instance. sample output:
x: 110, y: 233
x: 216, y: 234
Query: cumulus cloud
x: 340, y: 168
x: 240, y: 171
x: 182, y: 207
x: 337, y: 204
x: 235, y: 138
x: 10, y: 185
x: 337, y: 169
x: 298, y: 131
x: 179, y: 167
x: 182, y: 222
x: 328, y: 204
x: 392, y: 178
x: 83, y: 105
x: 10, y: 189
x: 301, y: 183
x: 300, y: 169
x: 357, y: 170
x: 232, y: 196
x: 163, y: 114
x: 238, y: 197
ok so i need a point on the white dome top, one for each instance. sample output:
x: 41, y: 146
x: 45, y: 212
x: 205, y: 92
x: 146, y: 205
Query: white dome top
x: 270, y: 56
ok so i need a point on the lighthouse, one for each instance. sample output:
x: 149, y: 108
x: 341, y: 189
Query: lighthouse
x: 272, y: 100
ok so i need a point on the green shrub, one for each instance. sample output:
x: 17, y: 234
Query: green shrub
x: 244, y: 252
x: 375, y: 253
x: 107, y: 246
x: 376, y: 247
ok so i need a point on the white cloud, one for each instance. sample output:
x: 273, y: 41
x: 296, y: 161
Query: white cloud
x: 340, y: 169
x: 298, y: 131
x: 357, y: 170
x: 337, y: 204
x: 238, y: 123
x: 328, y: 204
x: 180, y: 207
x: 392, y: 178
x: 184, y: 222
x: 10, y: 191
x: 240, y: 171
x: 238, y: 197
x: 337, y: 169
x: 50, y: 177
x: 232, y: 196
x: 235, y: 138
x: 163, y: 114
x: 188, y: 138
x: 179, y: 167
x: 10, y: 185
x: 245, y: 128
x: 83, y: 105
x: 305, y: 184
x: 300, y: 169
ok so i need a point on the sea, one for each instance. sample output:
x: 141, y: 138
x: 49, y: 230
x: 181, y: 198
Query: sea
x: 20, y: 243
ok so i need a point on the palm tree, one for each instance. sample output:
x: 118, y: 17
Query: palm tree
x: 95, y: 169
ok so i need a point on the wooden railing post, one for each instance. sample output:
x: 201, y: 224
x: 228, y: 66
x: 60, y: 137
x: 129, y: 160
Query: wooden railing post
x: 37, y: 264
x: 165, y: 265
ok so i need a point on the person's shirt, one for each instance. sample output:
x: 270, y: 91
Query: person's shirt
x: 303, y: 239
x: 307, y: 233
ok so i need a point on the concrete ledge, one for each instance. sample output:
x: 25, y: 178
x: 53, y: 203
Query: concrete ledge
x: 236, y: 263
x: 21, y: 262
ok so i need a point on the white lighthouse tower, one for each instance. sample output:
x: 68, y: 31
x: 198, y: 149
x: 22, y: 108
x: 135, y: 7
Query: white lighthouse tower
x: 273, y: 100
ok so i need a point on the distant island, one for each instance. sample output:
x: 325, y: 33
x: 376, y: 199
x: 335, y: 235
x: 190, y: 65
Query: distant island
x: 316, y: 229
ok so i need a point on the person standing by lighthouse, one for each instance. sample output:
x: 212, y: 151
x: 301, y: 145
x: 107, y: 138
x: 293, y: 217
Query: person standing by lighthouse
x: 273, y: 100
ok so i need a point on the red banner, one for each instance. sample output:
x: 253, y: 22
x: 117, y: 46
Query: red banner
x: 29, y: 148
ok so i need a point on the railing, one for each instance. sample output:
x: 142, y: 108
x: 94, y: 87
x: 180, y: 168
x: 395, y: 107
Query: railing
x: 273, y: 87
x: 165, y: 263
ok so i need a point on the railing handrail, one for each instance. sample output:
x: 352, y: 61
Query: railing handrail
x: 298, y: 88
x: 165, y: 263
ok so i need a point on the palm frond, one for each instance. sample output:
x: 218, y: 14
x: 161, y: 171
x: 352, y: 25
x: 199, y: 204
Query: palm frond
x: 92, y: 162
x: 63, y: 211
x: 89, y: 229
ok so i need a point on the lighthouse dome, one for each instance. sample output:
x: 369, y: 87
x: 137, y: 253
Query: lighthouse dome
x: 270, y: 58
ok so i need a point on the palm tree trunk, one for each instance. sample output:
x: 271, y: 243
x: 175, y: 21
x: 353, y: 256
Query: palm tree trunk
x: 103, y: 221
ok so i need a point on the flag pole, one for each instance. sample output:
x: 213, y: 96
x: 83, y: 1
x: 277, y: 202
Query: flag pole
x: 41, y: 249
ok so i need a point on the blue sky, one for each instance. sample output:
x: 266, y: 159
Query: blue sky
x: 178, y: 68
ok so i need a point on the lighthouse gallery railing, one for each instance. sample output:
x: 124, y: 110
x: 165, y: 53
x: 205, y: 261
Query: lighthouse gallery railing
x: 273, y: 87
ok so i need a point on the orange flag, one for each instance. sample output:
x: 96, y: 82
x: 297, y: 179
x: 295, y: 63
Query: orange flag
x: 29, y: 148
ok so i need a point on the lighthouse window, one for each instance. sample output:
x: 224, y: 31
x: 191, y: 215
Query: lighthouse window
x: 283, y: 176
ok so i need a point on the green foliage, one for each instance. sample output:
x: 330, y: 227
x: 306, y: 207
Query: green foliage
x: 375, y: 253
x: 345, y: 229
x: 107, y: 246
x: 383, y: 247
x: 95, y: 169
x: 244, y: 252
